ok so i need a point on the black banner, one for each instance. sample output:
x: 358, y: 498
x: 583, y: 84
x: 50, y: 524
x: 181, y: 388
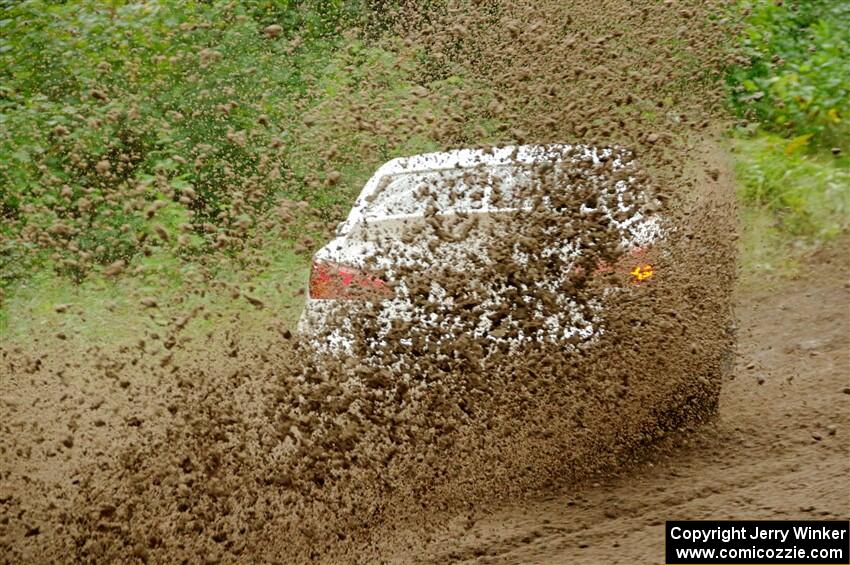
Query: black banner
x: 742, y: 542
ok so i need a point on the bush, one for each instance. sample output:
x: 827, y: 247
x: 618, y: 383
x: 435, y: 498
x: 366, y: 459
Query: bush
x: 216, y: 133
x: 797, y: 80
x: 130, y: 125
x: 794, y: 89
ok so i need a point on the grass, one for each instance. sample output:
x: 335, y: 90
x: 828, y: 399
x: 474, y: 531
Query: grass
x: 108, y: 312
x: 792, y: 160
x: 793, y: 200
x: 193, y: 99
x: 808, y: 192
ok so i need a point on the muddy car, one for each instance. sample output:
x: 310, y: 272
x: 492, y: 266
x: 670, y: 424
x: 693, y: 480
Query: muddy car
x: 518, y: 226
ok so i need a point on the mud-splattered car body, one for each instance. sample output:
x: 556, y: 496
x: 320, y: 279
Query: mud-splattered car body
x: 449, y: 210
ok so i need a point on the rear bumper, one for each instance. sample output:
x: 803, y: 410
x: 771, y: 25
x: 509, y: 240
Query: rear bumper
x: 326, y: 324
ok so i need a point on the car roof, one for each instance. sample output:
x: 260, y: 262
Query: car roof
x: 461, y: 159
x: 495, y: 156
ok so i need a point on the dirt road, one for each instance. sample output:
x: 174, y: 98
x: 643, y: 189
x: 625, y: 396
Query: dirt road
x: 778, y: 451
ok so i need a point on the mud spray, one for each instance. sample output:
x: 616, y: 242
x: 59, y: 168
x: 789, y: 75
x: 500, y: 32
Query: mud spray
x: 245, y: 450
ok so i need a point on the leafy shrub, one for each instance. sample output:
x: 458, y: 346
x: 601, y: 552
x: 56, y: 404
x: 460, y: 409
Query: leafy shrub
x: 797, y: 77
x: 131, y: 125
x: 794, y: 85
x: 210, y: 132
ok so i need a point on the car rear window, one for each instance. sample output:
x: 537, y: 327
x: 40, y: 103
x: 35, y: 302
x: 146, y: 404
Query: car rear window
x: 448, y: 190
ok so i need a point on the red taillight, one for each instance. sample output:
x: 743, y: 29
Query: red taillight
x: 329, y: 281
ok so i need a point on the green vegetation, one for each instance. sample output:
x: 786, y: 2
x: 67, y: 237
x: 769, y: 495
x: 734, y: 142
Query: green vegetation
x: 794, y: 95
x: 198, y: 151
x: 807, y: 191
x: 116, y: 114
x: 153, y: 138
x: 167, y: 148
x: 797, y: 82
